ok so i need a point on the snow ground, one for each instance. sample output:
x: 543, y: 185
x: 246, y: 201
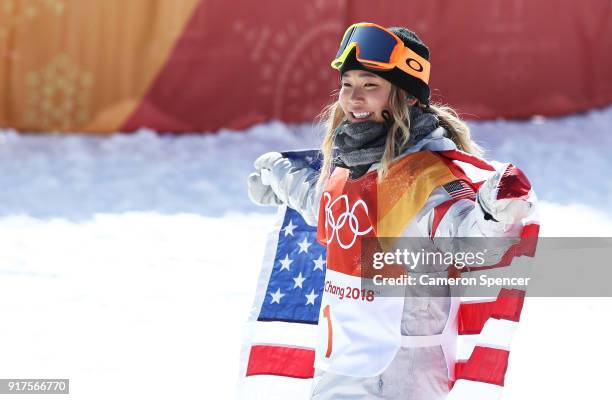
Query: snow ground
x: 128, y: 263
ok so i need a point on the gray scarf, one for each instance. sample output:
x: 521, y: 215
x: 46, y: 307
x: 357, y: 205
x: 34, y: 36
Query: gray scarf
x: 359, y: 145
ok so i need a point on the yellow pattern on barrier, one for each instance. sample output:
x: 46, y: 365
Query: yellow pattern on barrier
x: 58, y: 96
x: 76, y: 65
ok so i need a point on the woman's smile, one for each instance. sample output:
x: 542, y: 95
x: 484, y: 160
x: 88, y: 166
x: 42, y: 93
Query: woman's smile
x: 360, y: 116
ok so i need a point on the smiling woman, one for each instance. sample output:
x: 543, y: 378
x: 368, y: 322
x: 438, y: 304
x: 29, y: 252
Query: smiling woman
x: 396, y: 166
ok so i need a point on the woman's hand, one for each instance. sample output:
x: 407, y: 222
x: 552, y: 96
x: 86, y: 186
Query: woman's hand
x: 505, y: 195
x: 284, y: 180
x: 260, y: 191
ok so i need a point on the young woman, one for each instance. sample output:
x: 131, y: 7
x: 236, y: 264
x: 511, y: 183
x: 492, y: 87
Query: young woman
x: 396, y: 165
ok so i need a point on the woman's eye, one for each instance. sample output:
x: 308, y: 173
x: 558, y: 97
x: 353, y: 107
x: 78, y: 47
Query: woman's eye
x: 346, y: 84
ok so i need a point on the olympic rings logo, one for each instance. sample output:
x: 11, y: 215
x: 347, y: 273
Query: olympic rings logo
x: 346, y: 216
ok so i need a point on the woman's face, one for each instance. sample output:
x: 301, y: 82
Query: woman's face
x: 363, y: 96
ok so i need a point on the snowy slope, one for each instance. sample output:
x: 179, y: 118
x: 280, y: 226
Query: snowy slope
x: 205, y: 174
x: 128, y: 263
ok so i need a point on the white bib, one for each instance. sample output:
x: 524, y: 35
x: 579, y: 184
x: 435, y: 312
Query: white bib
x: 359, y: 332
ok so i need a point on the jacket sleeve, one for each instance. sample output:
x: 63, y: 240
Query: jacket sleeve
x: 486, y: 325
x: 295, y: 183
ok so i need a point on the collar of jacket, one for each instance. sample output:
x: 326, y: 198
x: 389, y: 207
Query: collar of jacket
x: 436, y: 140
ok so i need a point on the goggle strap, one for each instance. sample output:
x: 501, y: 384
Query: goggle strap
x: 413, y: 64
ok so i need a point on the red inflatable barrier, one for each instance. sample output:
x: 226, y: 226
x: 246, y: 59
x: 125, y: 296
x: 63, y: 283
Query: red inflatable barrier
x: 198, y: 66
x: 501, y: 59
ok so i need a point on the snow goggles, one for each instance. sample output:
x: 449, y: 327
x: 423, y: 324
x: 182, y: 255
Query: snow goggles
x: 379, y: 48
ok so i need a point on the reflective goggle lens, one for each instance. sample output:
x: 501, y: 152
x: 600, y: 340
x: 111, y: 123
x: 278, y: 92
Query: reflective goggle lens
x: 374, y: 43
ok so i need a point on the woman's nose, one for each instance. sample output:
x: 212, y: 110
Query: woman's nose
x: 356, y: 95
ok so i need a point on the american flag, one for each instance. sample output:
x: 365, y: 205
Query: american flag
x: 278, y: 353
x: 294, y: 289
x: 460, y: 190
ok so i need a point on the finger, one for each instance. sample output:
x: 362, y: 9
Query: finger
x: 270, y: 198
x: 254, y: 179
x: 260, y: 193
x: 266, y: 176
x: 255, y: 187
x: 267, y: 160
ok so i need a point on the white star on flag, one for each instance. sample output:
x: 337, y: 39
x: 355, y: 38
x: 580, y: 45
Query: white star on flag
x: 277, y: 296
x: 319, y: 262
x: 289, y: 228
x: 311, y: 297
x: 299, y: 280
x: 304, y: 245
x: 285, y: 262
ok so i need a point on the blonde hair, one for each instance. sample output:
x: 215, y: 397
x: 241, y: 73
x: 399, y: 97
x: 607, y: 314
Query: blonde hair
x: 399, y: 107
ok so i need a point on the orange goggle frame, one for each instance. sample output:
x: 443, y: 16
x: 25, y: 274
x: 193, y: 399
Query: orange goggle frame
x: 379, y: 48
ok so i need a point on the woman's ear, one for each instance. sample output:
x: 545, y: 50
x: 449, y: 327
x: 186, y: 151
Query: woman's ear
x: 411, y: 100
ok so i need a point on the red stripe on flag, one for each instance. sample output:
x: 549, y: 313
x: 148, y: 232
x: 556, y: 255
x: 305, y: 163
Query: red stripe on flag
x: 485, y: 365
x: 458, y: 172
x: 459, y: 365
x: 463, y: 194
x: 293, y: 362
x: 468, y: 158
x: 528, y: 247
x: 509, y: 304
x: 472, y: 316
x: 439, y: 213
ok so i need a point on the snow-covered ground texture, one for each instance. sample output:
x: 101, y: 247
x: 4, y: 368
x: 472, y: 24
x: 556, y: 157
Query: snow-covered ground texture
x: 128, y: 263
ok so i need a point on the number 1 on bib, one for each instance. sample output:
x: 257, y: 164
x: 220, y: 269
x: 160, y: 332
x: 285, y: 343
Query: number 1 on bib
x: 326, y: 314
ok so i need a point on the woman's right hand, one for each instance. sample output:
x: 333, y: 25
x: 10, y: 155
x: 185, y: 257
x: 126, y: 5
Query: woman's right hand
x: 281, y: 180
x: 261, y: 193
x: 259, y: 189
